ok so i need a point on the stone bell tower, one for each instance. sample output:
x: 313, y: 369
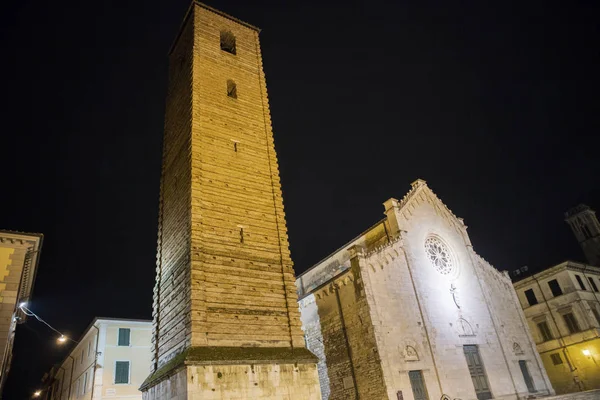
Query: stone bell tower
x: 226, y: 319
x: 586, y: 228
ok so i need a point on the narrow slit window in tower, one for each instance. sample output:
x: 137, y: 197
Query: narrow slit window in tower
x: 241, y: 235
x: 228, y: 42
x: 231, y: 89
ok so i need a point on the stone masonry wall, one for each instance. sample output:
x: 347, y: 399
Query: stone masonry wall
x: 239, y: 382
x: 172, y: 290
x: 242, y: 291
x: 313, y: 336
x: 349, y: 356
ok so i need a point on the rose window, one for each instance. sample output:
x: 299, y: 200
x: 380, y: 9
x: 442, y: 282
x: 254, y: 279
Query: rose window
x: 439, y: 255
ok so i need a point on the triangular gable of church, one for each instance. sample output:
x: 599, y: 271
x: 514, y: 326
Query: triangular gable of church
x: 421, y: 193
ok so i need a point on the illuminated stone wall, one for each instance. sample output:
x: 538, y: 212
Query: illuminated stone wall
x: 19, y: 253
x: 421, y: 314
x: 224, y: 273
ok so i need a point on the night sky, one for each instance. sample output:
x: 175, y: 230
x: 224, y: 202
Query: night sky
x: 495, y: 106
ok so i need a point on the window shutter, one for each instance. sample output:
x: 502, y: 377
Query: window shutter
x: 122, y: 372
x: 124, y: 336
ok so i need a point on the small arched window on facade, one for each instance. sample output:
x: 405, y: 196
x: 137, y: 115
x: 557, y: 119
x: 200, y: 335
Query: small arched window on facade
x: 231, y: 89
x: 228, y: 42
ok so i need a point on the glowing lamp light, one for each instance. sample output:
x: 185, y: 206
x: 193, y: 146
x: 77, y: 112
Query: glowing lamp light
x: 62, y: 339
x: 586, y: 352
x: 22, y: 304
x: 37, y: 393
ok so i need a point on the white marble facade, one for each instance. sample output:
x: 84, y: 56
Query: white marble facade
x: 424, y: 302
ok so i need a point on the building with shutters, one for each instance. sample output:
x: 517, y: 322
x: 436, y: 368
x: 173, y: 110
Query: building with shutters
x: 19, y: 258
x: 408, y: 310
x: 562, y: 306
x: 110, y: 361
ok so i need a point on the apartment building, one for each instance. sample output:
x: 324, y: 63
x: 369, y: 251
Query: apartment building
x: 562, y: 307
x: 110, y: 361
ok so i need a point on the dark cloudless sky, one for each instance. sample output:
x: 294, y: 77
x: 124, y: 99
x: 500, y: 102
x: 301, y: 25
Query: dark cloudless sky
x: 495, y: 105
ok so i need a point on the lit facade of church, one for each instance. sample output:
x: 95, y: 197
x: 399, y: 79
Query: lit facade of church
x: 408, y: 310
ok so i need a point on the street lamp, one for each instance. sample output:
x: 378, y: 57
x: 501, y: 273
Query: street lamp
x: 586, y: 352
x: 62, y: 339
x: 37, y: 393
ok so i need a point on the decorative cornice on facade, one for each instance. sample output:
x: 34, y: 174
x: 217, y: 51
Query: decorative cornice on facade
x: 380, y: 248
x: 577, y: 210
x: 32, y: 242
x: 565, y: 265
x: 418, y: 187
x: 490, y: 269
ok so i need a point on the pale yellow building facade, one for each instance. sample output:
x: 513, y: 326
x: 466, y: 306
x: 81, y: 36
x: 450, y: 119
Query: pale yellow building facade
x: 111, y: 361
x: 562, y: 307
x: 19, y: 257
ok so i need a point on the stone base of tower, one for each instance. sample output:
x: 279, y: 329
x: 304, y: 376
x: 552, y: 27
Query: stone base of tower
x: 266, y: 377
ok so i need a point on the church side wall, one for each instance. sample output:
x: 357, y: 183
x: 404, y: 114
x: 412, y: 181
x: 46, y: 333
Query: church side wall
x: 517, y: 343
x: 349, y: 355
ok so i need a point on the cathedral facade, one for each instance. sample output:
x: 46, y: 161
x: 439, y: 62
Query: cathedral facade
x: 408, y: 310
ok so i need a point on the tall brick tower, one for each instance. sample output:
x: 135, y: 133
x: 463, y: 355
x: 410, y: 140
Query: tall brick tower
x: 226, y: 319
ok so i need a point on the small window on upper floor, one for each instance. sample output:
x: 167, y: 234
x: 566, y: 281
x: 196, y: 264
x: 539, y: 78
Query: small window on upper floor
x: 556, y: 359
x: 124, y: 337
x: 580, y: 282
x: 593, y: 284
x: 555, y: 288
x: 228, y: 42
x: 231, y: 89
x: 531, y: 297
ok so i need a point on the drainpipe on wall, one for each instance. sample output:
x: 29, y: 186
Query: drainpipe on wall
x: 560, y: 336
x: 62, y: 383
x: 71, y: 379
x: 561, y: 340
x: 95, y: 359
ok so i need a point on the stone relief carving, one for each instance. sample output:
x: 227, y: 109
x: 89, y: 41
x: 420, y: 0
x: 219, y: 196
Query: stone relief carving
x: 454, y: 292
x: 409, y: 351
x: 464, y: 328
x: 517, y: 348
